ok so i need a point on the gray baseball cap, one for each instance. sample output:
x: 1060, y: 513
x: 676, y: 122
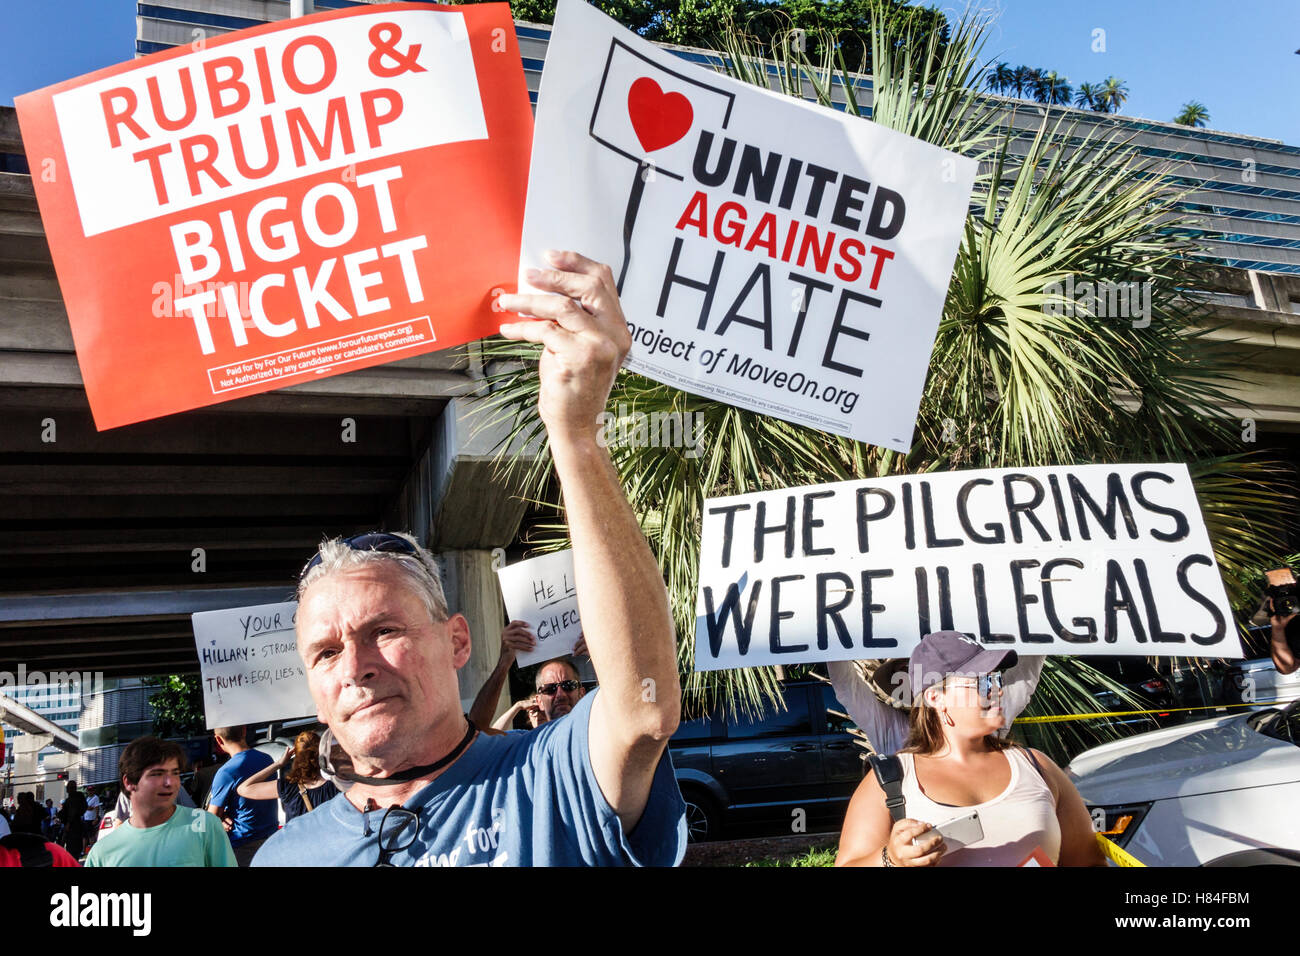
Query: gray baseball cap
x: 951, y: 652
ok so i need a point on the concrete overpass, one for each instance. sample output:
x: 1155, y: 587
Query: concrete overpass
x: 14, y: 714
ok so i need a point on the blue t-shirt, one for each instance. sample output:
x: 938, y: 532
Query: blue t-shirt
x: 518, y: 799
x: 253, y: 819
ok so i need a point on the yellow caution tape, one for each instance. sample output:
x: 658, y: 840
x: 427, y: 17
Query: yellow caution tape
x: 1056, y: 718
x: 1116, y: 855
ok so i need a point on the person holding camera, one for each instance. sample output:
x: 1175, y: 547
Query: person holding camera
x: 1283, y: 599
x: 532, y: 712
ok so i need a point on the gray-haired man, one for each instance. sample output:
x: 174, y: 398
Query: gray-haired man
x: 381, y: 654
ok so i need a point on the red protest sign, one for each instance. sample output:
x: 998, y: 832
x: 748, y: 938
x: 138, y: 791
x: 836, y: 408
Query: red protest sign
x: 292, y: 201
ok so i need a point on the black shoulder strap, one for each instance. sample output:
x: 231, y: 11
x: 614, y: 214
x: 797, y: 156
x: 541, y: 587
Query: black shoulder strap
x: 889, y: 774
x: 31, y: 848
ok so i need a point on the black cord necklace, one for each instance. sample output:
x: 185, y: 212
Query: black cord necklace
x: 413, y: 773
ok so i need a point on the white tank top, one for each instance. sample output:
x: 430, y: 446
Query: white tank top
x: 1018, y: 820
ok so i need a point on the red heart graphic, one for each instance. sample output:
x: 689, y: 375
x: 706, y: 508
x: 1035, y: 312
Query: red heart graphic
x: 659, y: 119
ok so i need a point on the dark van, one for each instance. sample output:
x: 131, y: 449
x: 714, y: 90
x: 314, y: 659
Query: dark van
x: 777, y: 772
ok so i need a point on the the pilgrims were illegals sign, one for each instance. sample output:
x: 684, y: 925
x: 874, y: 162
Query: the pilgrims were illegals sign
x: 770, y: 253
x: 287, y: 202
x: 1087, y: 559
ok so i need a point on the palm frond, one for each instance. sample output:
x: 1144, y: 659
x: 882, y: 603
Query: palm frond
x: 1067, y: 686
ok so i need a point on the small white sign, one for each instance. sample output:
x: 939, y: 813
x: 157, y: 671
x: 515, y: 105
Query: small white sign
x: 251, y: 671
x: 541, y: 592
x: 1081, y: 559
x: 770, y: 253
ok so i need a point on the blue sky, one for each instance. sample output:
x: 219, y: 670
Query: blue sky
x: 1235, y: 56
x: 45, y: 41
x: 1238, y: 58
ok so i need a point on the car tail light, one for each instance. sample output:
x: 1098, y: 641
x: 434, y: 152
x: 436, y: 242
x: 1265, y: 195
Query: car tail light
x: 1155, y: 686
x: 1118, y: 823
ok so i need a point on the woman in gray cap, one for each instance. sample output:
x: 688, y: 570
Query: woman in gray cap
x: 877, y: 696
x: 996, y: 804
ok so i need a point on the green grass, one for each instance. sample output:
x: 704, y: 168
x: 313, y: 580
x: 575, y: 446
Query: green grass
x: 811, y: 858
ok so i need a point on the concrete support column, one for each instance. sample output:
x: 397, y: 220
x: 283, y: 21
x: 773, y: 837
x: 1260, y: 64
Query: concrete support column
x: 457, y: 505
x: 471, y: 588
x: 26, y: 750
x: 454, y: 497
x: 1269, y: 292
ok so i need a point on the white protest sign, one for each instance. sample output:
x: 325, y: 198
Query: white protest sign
x: 251, y: 671
x: 1086, y: 559
x: 541, y: 592
x: 770, y: 253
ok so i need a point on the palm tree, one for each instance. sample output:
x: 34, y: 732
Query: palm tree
x: 1022, y: 80
x: 1113, y: 94
x: 1056, y: 89
x: 1088, y: 96
x: 1193, y: 114
x: 1001, y: 78
x: 1015, y: 383
x: 1034, y: 85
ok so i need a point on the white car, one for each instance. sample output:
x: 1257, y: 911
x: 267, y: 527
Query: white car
x: 1258, y: 680
x: 1208, y: 792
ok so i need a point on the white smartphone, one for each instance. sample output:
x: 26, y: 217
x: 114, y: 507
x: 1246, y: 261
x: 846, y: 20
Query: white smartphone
x: 962, y: 831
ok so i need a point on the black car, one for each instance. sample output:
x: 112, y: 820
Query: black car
x: 780, y: 771
x: 1155, y: 691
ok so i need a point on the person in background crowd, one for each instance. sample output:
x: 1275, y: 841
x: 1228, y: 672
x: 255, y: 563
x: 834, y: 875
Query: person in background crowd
x: 251, y: 821
x: 90, y: 818
x: 72, y: 816
x: 27, y: 814
x: 532, y: 713
x: 516, y: 638
x: 159, y: 832
x: 121, y: 811
x: 381, y: 651
x: 955, y: 763
x: 205, y: 768
x: 559, y: 688
x: 1284, y: 639
x: 298, y: 785
x: 49, y: 820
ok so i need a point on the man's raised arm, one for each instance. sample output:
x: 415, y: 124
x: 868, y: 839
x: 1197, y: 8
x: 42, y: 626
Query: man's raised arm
x: 621, y: 596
